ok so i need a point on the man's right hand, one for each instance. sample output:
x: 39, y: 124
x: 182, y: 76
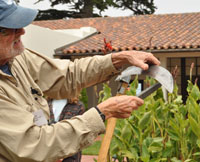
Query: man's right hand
x: 120, y: 106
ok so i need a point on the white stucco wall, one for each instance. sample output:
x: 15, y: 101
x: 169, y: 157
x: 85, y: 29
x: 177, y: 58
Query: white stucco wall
x: 46, y: 41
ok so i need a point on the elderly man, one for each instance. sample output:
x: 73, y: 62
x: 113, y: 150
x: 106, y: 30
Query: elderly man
x: 25, y: 135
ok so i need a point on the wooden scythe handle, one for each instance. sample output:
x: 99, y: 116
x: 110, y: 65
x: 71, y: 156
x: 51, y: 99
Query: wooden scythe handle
x: 105, y: 144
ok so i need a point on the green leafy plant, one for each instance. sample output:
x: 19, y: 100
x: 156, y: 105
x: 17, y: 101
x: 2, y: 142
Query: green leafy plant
x: 159, y: 131
x: 105, y: 93
x: 84, y: 98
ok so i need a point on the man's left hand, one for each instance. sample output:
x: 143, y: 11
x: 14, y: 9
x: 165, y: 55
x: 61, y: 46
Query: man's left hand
x: 136, y: 58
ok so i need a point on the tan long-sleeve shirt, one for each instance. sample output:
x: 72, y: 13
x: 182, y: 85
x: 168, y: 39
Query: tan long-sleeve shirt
x: 21, y: 140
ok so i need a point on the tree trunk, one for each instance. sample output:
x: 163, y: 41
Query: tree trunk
x: 87, y: 10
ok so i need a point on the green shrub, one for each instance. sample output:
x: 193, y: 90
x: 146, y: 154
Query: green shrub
x: 160, y: 131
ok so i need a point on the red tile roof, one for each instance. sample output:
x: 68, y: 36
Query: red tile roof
x: 168, y: 31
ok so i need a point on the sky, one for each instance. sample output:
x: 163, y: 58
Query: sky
x: 163, y: 7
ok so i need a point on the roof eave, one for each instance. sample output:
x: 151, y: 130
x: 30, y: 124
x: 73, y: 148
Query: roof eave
x: 63, y: 55
x: 175, y: 50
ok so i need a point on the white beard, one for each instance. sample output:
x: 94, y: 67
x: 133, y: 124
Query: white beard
x: 7, y: 54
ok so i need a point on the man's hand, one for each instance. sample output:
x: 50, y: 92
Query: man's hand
x: 120, y: 106
x: 136, y: 58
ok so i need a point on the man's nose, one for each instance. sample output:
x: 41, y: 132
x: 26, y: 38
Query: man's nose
x: 20, y: 31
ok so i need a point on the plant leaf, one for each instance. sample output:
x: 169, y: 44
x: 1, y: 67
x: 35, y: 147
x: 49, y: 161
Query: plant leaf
x: 195, y: 126
x: 144, y: 120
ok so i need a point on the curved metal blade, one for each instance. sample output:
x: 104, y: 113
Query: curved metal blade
x: 159, y: 73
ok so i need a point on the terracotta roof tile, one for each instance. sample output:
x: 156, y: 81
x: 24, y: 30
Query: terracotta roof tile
x: 168, y: 31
